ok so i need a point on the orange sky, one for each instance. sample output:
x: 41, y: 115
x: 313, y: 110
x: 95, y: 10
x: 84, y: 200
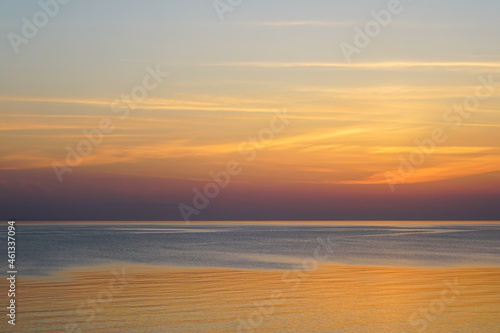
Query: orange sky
x: 349, y: 129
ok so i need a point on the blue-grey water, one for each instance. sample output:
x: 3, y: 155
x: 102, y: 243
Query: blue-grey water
x: 46, y: 249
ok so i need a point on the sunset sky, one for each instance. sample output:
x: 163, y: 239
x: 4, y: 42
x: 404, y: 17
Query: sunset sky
x: 432, y: 72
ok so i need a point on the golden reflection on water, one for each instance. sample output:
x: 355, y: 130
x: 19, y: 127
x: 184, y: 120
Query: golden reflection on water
x: 329, y: 299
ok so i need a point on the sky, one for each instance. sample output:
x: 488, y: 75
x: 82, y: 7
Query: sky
x: 301, y: 110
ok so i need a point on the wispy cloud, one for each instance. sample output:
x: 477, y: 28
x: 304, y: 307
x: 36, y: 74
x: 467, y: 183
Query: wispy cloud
x: 391, y: 92
x: 450, y: 170
x: 387, y: 65
x: 323, y: 23
x: 305, y: 23
x: 213, y: 103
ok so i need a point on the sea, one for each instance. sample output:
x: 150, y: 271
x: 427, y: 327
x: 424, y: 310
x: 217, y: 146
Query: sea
x: 47, y: 248
x: 286, y: 276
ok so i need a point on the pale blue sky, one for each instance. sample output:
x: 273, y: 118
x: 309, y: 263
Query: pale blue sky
x: 93, y: 47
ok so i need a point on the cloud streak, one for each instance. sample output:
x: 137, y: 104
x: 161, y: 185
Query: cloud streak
x: 386, y: 65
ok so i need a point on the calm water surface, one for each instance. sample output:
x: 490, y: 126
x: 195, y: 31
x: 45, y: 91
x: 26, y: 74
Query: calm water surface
x: 44, y: 249
x: 243, y: 277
